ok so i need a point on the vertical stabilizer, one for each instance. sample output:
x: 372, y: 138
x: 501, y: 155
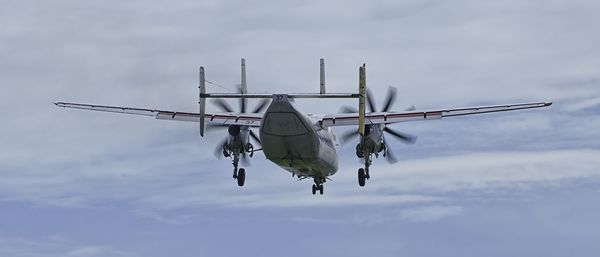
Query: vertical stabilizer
x: 322, y: 76
x: 244, y: 87
x: 202, y: 100
x: 362, y: 88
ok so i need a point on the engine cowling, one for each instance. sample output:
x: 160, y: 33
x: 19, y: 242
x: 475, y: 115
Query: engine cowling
x: 233, y: 130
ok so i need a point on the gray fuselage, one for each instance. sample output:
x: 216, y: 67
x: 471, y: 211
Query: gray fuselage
x: 295, y: 143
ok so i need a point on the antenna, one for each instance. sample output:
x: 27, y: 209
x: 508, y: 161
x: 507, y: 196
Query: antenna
x: 322, y: 76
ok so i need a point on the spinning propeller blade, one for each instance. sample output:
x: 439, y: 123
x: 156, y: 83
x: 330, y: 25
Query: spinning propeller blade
x: 347, y: 136
x: 370, y: 101
x: 406, y: 138
x: 222, y: 104
x: 253, y: 135
x: 389, y: 156
x: 261, y: 106
x: 390, y: 99
x: 348, y: 109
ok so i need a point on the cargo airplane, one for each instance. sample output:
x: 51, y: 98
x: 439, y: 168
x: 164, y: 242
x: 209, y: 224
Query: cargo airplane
x: 302, y: 144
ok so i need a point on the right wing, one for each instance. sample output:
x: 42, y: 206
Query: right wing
x: 246, y: 119
x: 345, y: 119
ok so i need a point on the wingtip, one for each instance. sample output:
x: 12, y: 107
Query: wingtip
x: 547, y: 103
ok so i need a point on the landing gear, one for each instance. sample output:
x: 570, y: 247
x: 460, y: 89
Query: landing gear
x: 363, y: 173
x: 359, y: 151
x: 241, y: 177
x: 250, y: 149
x: 318, y: 186
x: 361, y: 177
x: 226, y: 152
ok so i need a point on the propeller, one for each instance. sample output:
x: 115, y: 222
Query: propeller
x: 224, y: 106
x: 388, y: 103
x: 389, y: 156
x: 406, y: 138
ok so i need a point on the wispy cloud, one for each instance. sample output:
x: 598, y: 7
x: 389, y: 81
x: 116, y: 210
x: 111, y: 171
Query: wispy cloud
x: 583, y: 104
x: 410, y: 182
x: 429, y: 213
x: 54, y: 246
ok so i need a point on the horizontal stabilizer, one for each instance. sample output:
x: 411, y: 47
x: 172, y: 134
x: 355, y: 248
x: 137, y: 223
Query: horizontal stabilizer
x: 295, y: 95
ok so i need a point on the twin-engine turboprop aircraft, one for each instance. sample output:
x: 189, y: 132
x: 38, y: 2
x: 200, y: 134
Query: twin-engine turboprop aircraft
x: 302, y: 144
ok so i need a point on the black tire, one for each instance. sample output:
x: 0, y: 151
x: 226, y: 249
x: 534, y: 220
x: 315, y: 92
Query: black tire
x: 321, y: 189
x: 314, y: 189
x: 241, y: 177
x: 361, y: 177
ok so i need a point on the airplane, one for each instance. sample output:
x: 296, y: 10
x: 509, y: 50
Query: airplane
x: 302, y: 144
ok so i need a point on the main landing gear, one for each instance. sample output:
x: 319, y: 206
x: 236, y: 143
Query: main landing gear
x: 238, y: 174
x: 240, y: 177
x: 361, y: 177
x: 363, y: 174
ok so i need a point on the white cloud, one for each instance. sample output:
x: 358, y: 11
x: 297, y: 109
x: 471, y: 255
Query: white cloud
x: 485, y: 171
x: 583, y: 104
x: 429, y: 213
x: 406, y: 183
x: 96, y: 251
x: 54, y: 246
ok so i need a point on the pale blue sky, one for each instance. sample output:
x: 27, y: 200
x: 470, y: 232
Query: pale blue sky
x: 74, y: 183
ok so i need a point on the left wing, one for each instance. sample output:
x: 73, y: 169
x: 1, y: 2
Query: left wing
x: 346, y: 119
x: 246, y: 119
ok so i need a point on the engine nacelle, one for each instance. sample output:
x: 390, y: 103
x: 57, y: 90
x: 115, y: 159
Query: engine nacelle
x: 234, y: 130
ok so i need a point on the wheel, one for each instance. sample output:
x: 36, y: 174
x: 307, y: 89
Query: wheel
x: 225, y: 152
x: 361, y: 177
x: 321, y: 189
x: 241, y: 177
x: 314, y: 189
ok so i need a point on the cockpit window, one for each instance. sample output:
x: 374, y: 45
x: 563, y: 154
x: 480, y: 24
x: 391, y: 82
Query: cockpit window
x: 283, y: 124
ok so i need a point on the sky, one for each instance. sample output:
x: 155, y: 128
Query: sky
x: 85, y: 184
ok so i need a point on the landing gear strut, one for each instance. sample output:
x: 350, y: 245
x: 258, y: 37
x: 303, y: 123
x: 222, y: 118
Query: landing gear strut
x: 363, y: 174
x: 239, y: 175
